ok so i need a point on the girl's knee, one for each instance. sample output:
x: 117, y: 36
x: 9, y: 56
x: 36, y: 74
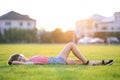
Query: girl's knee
x: 71, y: 43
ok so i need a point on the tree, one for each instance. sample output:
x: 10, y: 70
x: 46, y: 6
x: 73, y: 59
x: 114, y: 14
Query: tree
x: 68, y: 36
x: 20, y: 35
x: 45, y: 37
x: 57, y: 36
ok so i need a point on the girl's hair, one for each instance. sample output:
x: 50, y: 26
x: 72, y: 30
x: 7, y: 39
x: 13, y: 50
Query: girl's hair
x: 13, y: 57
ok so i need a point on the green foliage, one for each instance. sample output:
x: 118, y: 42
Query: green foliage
x: 59, y: 72
x: 56, y: 36
x: 17, y: 35
x: 14, y: 35
x: 104, y: 35
x: 45, y: 37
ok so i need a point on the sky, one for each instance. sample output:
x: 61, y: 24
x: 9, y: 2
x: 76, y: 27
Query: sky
x: 52, y: 14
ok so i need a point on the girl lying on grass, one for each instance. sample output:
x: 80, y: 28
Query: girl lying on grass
x: 61, y: 58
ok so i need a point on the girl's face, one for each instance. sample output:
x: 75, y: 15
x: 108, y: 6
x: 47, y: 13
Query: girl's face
x: 21, y: 58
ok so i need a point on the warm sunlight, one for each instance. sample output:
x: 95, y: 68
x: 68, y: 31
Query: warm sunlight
x: 51, y: 14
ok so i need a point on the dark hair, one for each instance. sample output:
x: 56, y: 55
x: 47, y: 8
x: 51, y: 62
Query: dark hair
x: 13, y: 57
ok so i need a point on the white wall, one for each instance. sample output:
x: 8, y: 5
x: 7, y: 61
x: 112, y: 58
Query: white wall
x: 16, y: 23
x: 26, y: 24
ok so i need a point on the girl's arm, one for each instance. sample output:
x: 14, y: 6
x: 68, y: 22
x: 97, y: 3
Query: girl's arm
x: 21, y: 63
x: 17, y: 62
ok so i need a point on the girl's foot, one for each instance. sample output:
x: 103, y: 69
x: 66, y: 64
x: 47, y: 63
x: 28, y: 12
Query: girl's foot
x: 95, y: 63
x: 89, y: 63
x: 107, y: 62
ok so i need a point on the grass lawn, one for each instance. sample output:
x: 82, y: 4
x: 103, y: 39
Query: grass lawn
x: 59, y: 72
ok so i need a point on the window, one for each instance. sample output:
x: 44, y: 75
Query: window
x: 8, y: 23
x: 112, y: 28
x: 104, y: 28
x: 96, y: 25
x: 21, y: 24
x: 118, y: 28
x: 28, y: 24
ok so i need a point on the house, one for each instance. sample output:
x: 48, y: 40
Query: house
x: 110, y: 24
x: 86, y: 27
x: 98, y: 23
x: 14, y: 19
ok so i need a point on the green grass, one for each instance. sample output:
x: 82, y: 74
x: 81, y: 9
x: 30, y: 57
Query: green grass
x: 59, y: 72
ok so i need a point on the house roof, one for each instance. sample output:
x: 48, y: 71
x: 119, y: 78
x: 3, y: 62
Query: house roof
x: 97, y: 17
x: 109, y: 19
x: 14, y: 16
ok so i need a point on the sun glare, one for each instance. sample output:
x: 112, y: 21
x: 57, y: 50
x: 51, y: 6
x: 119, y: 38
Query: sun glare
x: 51, y: 14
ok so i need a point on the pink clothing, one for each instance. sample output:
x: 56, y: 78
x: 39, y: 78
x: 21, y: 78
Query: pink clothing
x: 39, y: 59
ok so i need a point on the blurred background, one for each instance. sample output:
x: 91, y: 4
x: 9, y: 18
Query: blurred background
x: 60, y: 21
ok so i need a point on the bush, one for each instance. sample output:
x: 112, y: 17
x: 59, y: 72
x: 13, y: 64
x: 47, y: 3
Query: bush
x: 17, y: 35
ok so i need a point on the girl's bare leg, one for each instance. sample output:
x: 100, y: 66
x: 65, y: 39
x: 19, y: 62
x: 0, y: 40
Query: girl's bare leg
x: 72, y: 47
x: 71, y: 61
x: 81, y: 59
